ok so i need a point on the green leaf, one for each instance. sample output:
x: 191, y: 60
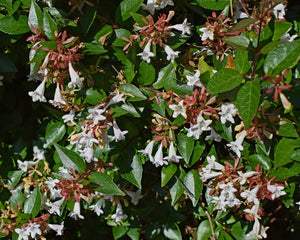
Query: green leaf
x: 107, y: 184
x: 240, y: 41
x: 287, y: 129
x: 282, y: 173
x: 119, y: 231
x: 261, y: 160
x: 283, y: 152
x: 13, y: 177
x: 166, y: 78
x: 70, y: 159
x: 16, y: 198
x: 280, y: 28
x: 224, y: 80
x: 35, y: 17
x: 167, y: 173
x: 33, y: 203
x: 94, y: 49
x: 134, y: 93
x: 185, y: 146
x: 282, y: 57
x: 12, y: 25
x: 134, y: 233
x: 213, y: 4
x: 93, y: 96
x: 177, y: 189
x: 171, y: 231
x: 269, y: 47
x: 147, y: 74
x: 194, y: 185
x: 50, y: 26
x: 247, y: 101
x: 136, y: 172
x: 296, y: 155
x: 204, y: 230
x: 197, y: 153
x: 54, y: 133
x: 128, y: 107
x: 241, y: 61
x: 11, y: 6
x: 129, y: 6
x: 246, y: 22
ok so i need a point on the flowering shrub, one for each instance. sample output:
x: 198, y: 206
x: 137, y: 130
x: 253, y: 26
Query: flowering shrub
x: 154, y: 119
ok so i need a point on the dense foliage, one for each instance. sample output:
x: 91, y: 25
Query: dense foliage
x: 157, y: 119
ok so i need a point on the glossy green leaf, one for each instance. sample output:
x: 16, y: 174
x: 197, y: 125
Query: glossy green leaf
x: 54, y: 133
x: 134, y: 175
x: 282, y: 57
x: 177, y: 189
x: 33, y: 203
x: 269, y: 47
x: 134, y: 233
x: 247, y: 101
x: 213, y: 4
x: 296, y: 155
x: 280, y: 28
x: 134, y: 93
x: 167, y: 173
x: 224, y: 80
x: 13, y: 177
x: 93, y: 96
x: 239, y: 41
x: 70, y: 159
x: 261, y: 160
x: 14, y: 25
x: 94, y: 49
x: 185, y: 146
x: 119, y: 231
x: 35, y: 17
x: 287, y: 129
x: 129, y: 6
x: 204, y: 230
x: 283, y: 152
x: 106, y: 183
x: 243, y: 23
x: 194, y: 185
x: 197, y: 153
x: 147, y: 74
x: 16, y: 198
x: 171, y: 231
x: 166, y: 78
x: 282, y: 173
x: 50, y: 26
x: 241, y: 61
x: 11, y: 6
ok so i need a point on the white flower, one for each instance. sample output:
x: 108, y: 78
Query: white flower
x: 146, y: 54
x: 39, y: 154
x: 172, y: 154
x: 51, y: 183
x: 153, y: 5
x: 119, y: 97
x: 207, y: 33
x: 251, y: 195
x: 76, y: 81
x: 76, y: 212
x: 236, y: 146
x: 148, y: 150
x: 135, y: 196
x: 118, y: 134
x: 258, y: 231
x: 38, y: 94
x: 119, y: 216
x: 171, y: 54
x: 159, y: 158
x: 178, y: 109
x: 24, y: 165
x: 23, y: 233
x: 88, y: 154
x: 232, y: 201
x: 287, y: 37
x: 194, y: 80
x: 64, y: 173
x: 197, y: 129
x: 253, y: 211
x: 220, y: 203
x: 238, y: 14
x: 213, y: 164
x: 34, y: 229
x: 213, y: 136
x: 58, y: 228
x: 69, y: 118
x: 298, y: 203
x: 184, y: 27
x: 97, y: 207
x: 54, y: 207
x: 228, y: 190
x: 279, y: 11
x: 276, y: 190
x: 228, y: 111
x: 243, y: 176
x: 207, y: 174
x: 58, y: 99
x: 95, y: 114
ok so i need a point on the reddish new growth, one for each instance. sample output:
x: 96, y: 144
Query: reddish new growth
x: 221, y: 29
x: 72, y: 188
x: 158, y: 32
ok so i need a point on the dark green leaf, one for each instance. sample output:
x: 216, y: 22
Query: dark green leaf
x: 246, y: 22
x: 240, y: 41
x: 269, y: 47
x: 177, y: 189
x: 296, y: 155
x: 16, y: 198
x: 247, y: 101
x: 283, y: 152
x: 167, y: 173
x: 166, y: 78
x: 204, y: 230
x: 241, y: 61
x: 70, y: 159
x: 194, y: 185
x: 185, y: 146
x: 287, y: 129
x: 134, y: 93
x: 106, y: 183
x: 147, y: 74
x: 50, y: 26
x: 171, y: 231
x: 282, y: 57
x: 261, y: 160
x: 129, y: 6
x: 94, y: 49
x: 54, y: 133
x: 119, y: 231
x: 13, y: 177
x: 136, y: 172
x: 87, y: 18
x: 93, y: 96
x: 213, y: 4
x: 280, y: 28
x: 35, y: 17
x: 12, y: 25
x: 33, y: 203
x: 224, y: 80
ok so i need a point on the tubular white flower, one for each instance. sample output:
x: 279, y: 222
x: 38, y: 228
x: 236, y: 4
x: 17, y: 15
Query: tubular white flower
x: 172, y: 154
x: 184, y: 27
x: 23, y: 233
x: 69, y: 118
x: 213, y: 164
x: 58, y: 99
x: 236, y: 146
x: 178, y: 110
x: 135, y: 196
x: 76, y: 212
x: 97, y: 208
x: 197, y: 129
x: 148, y: 150
x: 38, y: 93
x: 76, y: 81
x: 158, y: 158
x: 58, y: 228
x: 258, y: 231
x: 119, y: 215
x: 34, y: 229
x: 118, y: 134
x: 228, y: 111
x: 243, y: 176
x: 208, y: 33
x: 276, y: 190
x: 146, y: 54
x: 171, y: 54
x: 194, y: 80
x: 279, y: 11
x: 95, y: 114
x: 251, y: 195
x: 54, y: 207
x: 213, y: 136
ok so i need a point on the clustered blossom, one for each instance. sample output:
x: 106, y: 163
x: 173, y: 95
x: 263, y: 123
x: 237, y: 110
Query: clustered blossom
x: 153, y: 5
